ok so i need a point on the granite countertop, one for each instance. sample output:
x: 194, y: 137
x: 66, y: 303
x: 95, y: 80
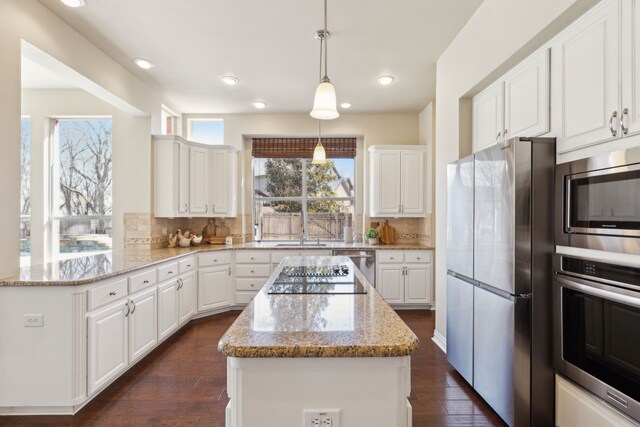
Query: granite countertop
x: 319, y: 325
x: 84, y: 270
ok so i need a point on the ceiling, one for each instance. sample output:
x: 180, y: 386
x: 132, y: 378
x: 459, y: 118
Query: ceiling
x: 270, y: 47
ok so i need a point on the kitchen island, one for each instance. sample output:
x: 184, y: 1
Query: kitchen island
x: 291, y: 353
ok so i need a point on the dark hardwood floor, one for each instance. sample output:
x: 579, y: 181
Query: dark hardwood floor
x: 182, y: 383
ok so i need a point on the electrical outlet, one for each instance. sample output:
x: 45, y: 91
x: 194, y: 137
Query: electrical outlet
x: 321, y: 418
x: 34, y: 320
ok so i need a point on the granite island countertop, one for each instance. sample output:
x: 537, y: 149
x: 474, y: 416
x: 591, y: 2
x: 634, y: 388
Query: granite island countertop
x: 85, y: 270
x: 318, y: 325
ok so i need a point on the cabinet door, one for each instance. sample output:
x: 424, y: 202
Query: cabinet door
x: 412, y: 182
x: 417, y: 284
x: 187, y: 298
x: 390, y: 283
x: 385, y: 179
x: 167, y: 309
x: 590, y: 82
x: 631, y: 67
x: 214, y: 288
x: 488, y: 115
x: 220, y: 181
x: 183, y: 179
x: 143, y: 323
x: 198, y: 180
x: 526, y: 98
x: 107, y: 342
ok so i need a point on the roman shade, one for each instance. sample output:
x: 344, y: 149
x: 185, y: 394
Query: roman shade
x: 302, y: 148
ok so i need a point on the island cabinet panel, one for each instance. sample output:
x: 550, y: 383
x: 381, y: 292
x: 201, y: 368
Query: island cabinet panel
x: 167, y: 309
x: 187, y: 298
x: 107, y: 344
x: 143, y: 323
x: 214, y: 288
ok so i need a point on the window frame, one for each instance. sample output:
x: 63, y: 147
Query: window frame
x: 303, y: 199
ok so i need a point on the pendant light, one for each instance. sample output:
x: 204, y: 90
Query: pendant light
x: 319, y: 155
x: 324, y: 102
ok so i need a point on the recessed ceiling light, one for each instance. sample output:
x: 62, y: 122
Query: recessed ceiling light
x: 259, y: 104
x: 143, y: 63
x: 346, y: 105
x: 74, y: 3
x: 385, y: 80
x: 230, y: 80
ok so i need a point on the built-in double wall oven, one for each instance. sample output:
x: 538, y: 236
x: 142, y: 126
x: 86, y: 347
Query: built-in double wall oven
x: 598, y: 202
x: 597, y: 328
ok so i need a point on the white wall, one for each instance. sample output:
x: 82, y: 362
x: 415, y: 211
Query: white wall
x: 29, y: 20
x: 427, y: 133
x: 498, y: 35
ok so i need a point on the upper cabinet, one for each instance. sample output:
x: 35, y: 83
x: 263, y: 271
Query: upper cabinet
x: 515, y: 105
x: 397, y: 181
x: 194, y: 180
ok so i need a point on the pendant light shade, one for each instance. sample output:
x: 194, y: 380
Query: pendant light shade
x: 319, y: 155
x: 324, y: 103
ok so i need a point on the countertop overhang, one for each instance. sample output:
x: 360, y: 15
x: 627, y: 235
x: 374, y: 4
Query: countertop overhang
x: 339, y: 325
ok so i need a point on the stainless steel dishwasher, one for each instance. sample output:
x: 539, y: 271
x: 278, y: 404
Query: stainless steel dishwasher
x: 364, y: 260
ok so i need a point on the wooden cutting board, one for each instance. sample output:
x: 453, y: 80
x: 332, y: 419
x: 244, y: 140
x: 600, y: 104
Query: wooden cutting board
x: 387, y: 233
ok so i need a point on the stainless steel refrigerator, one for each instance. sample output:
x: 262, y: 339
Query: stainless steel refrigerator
x: 499, y: 249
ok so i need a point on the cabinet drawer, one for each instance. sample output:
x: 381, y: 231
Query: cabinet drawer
x: 389, y: 256
x: 104, y: 294
x: 167, y: 271
x: 186, y: 264
x: 250, y: 284
x: 214, y: 258
x: 259, y: 270
x: 252, y: 257
x: 245, y: 297
x: 417, y: 256
x: 142, y: 279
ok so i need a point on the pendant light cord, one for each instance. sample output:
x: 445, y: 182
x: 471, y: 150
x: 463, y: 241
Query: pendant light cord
x: 325, y: 43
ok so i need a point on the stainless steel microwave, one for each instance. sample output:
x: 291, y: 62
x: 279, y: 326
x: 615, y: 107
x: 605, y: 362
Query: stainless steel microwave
x: 598, y: 202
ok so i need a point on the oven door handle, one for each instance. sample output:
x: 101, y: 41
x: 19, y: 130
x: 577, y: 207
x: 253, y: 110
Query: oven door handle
x: 622, y: 296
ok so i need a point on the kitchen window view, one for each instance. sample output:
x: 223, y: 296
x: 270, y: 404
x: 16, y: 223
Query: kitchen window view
x: 293, y: 198
x: 81, y: 186
x: 25, y: 189
x: 206, y: 131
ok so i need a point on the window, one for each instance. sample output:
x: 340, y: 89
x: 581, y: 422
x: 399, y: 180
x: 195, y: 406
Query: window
x: 81, y: 181
x: 293, y: 197
x: 206, y: 131
x: 168, y: 122
x: 25, y: 189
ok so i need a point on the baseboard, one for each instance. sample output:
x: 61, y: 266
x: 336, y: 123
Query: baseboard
x: 411, y: 306
x: 440, y: 340
x: 37, y: 410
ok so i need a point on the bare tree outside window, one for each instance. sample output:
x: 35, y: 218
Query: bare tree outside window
x: 25, y: 189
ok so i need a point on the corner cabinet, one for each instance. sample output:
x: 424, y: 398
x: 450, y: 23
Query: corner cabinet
x: 397, y: 179
x: 194, y: 180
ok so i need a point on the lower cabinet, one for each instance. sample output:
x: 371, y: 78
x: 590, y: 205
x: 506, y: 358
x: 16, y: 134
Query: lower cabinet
x: 187, y: 298
x: 143, y: 323
x: 390, y: 283
x: 405, y: 279
x: 167, y: 308
x: 214, y: 288
x: 107, y: 342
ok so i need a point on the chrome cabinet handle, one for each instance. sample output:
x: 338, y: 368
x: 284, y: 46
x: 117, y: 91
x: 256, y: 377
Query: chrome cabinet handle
x: 206, y: 208
x: 112, y: 293
x: 134, y: 307
x: 624, y: 129
x: 613, y: 116
x: 188, y: 265
x: 498, y: 136
x: 128, y: 309
x: 146, y: 281
x: 170, y: 272
x: 213, y: 208
x: 506, y: 131
x: 229, y: 271
x: 186, y: 207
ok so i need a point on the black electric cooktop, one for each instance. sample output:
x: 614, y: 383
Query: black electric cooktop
x: 334, y: 279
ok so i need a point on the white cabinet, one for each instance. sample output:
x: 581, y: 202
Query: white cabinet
x: 576, y: 407
x: 589, y: 57
x: 187, y: 298
x: 198, y: 180
x: 192, y: 179
x: 143, y: 323
x: 214, y: 288
x: 167, y: 309
x: 107, y: 342
x: 405, y: 278
x: 488, y: 116
x: 515, y: 105
x: 397, y: 184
